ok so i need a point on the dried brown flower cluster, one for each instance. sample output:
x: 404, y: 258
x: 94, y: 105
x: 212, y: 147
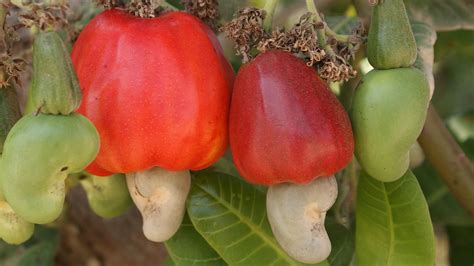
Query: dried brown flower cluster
x: 31, y: 14
x: 246, y: 30
x: 43, y: 16
x: 143, y: 8
x: 301, y: 39
x: 108, y: 4
x: 331, y: 61
x: 139, y: 8
x: 12, y: 67
x: 206, y: 10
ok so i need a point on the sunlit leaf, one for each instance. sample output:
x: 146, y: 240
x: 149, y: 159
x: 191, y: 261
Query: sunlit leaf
x: 393, y: 226
x: 187, y: 247
x: 231, y: 215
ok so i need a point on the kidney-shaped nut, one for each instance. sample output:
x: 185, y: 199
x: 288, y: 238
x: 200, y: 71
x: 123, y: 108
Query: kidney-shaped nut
x: 160, y: 195
x: 296, y: 214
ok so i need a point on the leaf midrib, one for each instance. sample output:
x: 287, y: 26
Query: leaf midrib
x: 249, y: 223
x: 390, y: 224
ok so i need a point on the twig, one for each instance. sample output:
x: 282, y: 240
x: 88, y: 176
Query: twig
x: 448, y: 160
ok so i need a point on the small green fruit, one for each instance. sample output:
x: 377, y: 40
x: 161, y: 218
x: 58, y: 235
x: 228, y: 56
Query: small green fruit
x: 107, y: 195
x: 391, y: 43
x: 388, y: 114
x: 54, y: 89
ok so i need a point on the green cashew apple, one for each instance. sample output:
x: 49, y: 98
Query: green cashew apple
x: 54, y: 87
x: 39, y: 152
x: 391, y: 43
x: 108, y: 196
x: 388, y: 114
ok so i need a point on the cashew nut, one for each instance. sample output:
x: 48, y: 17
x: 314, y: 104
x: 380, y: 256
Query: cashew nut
x: 160, y: 195
x: 296, y: 214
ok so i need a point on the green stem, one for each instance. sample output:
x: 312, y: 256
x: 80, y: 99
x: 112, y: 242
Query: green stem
x: 341, y: 24
x: 449, y: 160
x: 320, y: 33
x: 269, y: 8
x: 338, y: 37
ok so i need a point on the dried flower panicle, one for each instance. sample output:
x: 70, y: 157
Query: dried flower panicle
x: 331, y: 61
x: 335, y: 69
x: 43, y: 16
x: 246, y: 29
x: 143, y: 8
x: 206, y: 10
x: 301, y: 39
x: 12, y: 67
x: 107, y: 4
x: 31, y: 14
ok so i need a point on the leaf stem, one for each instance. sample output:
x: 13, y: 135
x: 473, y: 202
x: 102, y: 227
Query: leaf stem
x: 338, y: 37
x: 449, y: 160
x: 269, y: 8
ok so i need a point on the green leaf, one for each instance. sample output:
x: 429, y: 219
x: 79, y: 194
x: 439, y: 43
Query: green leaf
x: 461, y: 241
x: 39, y: 254
x: 443, y: 206
x: 454, y: 43
x: 226, y: 166
x: 231, y: 215
x: 169, y: 262
x: 7, y: 250
x: 425, y: 37
x: 454, y: 94
x: 443, y: 14
x: 342, y: 25
x: 468, y: 147
x: 187, y: 247
x: 342, y: 242
x: 39, y: 250
x: 393, y: 225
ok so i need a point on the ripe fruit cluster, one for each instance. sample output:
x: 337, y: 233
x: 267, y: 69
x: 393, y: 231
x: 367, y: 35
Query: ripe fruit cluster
x: 161, y: 99
x: 159, y: 115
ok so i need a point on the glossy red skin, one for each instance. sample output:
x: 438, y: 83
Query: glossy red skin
x: 157, y: 90
x: 285, y: 124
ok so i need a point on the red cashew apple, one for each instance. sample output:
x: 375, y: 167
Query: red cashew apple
x: 286, y: 130
x: 285, y: 124
x: 158, y: 92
